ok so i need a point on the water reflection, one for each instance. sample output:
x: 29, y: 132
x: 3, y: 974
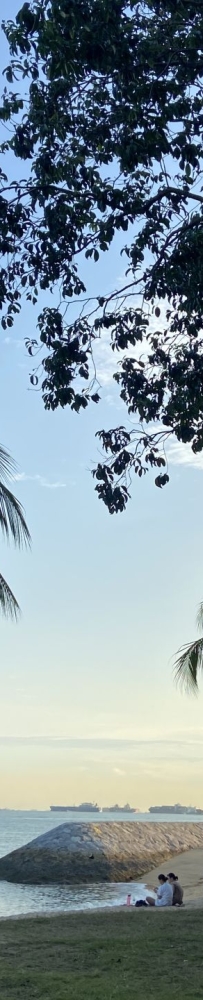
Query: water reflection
x: 19, y: 899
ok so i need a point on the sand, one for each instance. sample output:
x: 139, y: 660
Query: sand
x: 189, y: 868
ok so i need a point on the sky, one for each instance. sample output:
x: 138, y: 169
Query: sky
x: 89, y: 708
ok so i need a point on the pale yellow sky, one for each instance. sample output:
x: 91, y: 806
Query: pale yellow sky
x: 38, y: 773
x: 106, y: 731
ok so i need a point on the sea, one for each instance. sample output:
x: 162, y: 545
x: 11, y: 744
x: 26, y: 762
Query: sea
x: 19, y: 828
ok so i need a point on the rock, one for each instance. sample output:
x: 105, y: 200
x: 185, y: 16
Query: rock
x: 103, y: 852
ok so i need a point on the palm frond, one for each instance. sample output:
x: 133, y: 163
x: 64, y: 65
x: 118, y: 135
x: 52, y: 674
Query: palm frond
x: 188, y: 663
x: 199, y: 618
x: 7, y: 465
x: 12, y: 520
x: 8, y: 604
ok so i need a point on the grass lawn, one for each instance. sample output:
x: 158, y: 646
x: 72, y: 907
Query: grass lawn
x: 109, y: 956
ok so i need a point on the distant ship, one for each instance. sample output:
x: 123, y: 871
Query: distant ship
x: 178, y: 809
x: 119, y: 809
x: 86, y: 807
x: 92, y: 807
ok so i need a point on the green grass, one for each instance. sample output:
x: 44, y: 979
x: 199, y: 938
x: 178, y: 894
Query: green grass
x: 109, y: 956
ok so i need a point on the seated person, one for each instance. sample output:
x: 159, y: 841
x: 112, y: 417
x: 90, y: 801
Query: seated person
x: 177, y: 889
x: 164, y: 893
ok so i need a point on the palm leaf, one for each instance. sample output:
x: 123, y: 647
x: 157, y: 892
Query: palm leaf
x: 7, y: 465
x: 199, y: 618
x: 188, y: 663
x: 8, y: 604
x: 12, y: 520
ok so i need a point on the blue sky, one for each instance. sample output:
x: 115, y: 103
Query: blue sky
x: 106, y: 601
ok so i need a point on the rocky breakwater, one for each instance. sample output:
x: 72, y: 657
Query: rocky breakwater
x: 104, y: 852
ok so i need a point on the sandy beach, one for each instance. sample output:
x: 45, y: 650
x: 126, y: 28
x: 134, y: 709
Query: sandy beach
x: 189, y: 868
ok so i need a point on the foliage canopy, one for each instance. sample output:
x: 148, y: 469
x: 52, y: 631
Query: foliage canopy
x: 112, y: 127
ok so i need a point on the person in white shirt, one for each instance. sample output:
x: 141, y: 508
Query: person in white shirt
x: 164, y: 893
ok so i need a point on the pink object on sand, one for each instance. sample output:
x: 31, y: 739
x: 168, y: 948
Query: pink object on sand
x: 129, y: 899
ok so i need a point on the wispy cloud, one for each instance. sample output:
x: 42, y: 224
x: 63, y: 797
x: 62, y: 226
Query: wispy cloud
x: 22, y: 477
x: 182, y: 454
x: 14, y: 341
x: 160, y: 759
x: 182, y: 739
x: 117, y: 770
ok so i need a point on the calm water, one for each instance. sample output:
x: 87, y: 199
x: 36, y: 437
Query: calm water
x: 18, y: 828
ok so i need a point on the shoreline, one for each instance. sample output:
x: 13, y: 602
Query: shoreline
x: 188, y: 865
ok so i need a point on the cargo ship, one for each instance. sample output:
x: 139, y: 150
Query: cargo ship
x: 85, y: 807
x: 119, y: 809
x: 177, y: 810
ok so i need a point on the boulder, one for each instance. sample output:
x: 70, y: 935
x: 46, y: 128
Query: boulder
x: 82, y: 853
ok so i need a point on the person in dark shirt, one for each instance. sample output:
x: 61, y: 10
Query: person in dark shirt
x: 177, y: 889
